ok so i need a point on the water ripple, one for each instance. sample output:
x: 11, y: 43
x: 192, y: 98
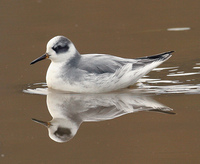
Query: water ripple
x: 177, y: 82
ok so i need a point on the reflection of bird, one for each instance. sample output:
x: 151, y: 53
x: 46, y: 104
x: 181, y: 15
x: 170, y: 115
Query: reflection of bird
x: 70, y: 110
x: 93, y: 73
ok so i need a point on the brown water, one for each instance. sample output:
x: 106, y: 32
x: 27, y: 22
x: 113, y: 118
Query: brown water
x: 123, y: 28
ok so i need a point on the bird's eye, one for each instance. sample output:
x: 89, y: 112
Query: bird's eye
x: 57, y: 48
x: 60, y: 49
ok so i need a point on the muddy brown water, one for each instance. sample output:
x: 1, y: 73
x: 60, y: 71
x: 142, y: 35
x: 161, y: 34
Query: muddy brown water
x: 123, y: 28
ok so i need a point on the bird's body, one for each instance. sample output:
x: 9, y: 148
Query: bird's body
x: 93, y: 73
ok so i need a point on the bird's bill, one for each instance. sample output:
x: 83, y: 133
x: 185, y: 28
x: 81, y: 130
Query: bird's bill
x: 44, y: 123
x: 40, y: 58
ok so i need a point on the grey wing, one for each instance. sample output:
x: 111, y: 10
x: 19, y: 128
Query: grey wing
x: 101, y: 63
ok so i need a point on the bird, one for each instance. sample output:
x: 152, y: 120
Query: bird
x: 70, y: 71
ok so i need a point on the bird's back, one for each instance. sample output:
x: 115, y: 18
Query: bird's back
x: 102, y: 63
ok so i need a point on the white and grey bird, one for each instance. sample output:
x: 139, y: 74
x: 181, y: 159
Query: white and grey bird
x: 93, y: 73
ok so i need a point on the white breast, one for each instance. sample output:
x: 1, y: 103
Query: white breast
x: 53, y: 73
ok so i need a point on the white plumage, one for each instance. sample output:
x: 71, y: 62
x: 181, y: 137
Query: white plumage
x: 93, y: 73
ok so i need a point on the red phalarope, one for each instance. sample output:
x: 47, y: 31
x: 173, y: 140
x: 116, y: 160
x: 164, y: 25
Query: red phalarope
x: 93, y: 73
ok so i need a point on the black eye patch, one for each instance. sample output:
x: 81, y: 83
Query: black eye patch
x: 60, y: 48
x: 61, y: 132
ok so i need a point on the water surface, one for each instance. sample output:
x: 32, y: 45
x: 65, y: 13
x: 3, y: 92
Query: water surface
x: 133, y: 126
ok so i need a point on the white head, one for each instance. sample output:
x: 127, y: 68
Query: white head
x: 60, y: 129
x: 59, y: 49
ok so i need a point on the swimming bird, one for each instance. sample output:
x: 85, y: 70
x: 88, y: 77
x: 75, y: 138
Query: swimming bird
x: 93, y: 73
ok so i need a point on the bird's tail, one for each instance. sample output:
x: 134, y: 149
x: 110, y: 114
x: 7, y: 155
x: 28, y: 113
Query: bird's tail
x: 163, y: 56
x: 130, y: 73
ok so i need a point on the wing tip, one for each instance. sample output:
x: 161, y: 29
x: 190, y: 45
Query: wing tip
x: 162, y: 56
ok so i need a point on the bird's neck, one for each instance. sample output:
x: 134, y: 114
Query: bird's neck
x: 70, y: 61
x: 74, y: 60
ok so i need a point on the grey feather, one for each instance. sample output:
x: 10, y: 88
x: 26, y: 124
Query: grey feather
x: 102, y: 63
